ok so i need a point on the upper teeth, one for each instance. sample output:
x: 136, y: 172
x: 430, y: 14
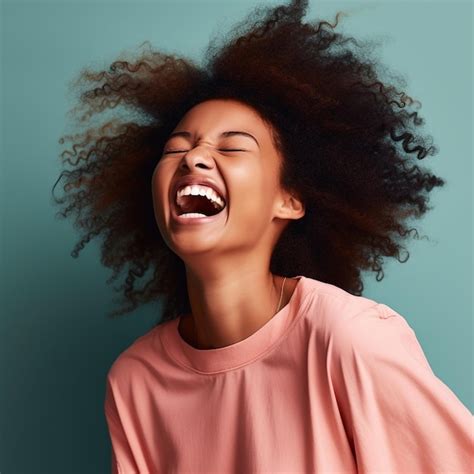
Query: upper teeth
x: 197, y: 189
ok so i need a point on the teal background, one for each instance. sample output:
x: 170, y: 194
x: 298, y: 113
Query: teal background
x: 56, y: 342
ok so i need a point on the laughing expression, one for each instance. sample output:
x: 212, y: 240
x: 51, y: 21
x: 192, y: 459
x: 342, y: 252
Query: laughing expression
x: 216, y: 185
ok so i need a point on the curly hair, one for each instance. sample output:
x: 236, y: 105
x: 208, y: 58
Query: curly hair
x: 347, y: 139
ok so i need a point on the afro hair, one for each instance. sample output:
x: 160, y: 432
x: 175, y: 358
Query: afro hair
x: 348, y: 137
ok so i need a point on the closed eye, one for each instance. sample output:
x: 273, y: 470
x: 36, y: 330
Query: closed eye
x: 182, y: 151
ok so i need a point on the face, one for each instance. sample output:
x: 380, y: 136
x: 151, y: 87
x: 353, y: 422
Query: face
x: 244, y: 167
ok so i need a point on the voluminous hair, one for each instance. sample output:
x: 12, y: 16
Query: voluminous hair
x: 347, y: 135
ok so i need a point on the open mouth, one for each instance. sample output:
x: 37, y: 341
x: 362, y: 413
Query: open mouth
x: 197, y: 205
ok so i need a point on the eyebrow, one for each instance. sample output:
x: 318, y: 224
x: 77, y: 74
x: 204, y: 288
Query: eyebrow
x: 229, y: 133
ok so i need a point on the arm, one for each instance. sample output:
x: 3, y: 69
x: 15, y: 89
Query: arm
x: 400, y: 417
x: 115, y: 468
x: 120, y: 445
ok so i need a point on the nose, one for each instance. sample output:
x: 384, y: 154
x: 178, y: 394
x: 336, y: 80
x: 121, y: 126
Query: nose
x: 198, y: 156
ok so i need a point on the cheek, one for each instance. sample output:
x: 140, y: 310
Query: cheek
x: 252, y: 195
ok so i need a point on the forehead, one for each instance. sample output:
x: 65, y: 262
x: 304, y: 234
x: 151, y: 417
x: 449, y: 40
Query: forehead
x: 216, y: 114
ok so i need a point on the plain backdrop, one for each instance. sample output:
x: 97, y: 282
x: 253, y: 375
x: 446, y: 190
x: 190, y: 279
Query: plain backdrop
x: 56, y: 342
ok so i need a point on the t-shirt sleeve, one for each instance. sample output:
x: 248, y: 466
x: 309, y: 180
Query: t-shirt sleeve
x: 120, y: 445
x: 399, y: 416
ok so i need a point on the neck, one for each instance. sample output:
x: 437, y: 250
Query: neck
x: 228, y: 310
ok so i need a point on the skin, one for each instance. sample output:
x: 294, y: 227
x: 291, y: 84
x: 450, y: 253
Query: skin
x: 232, y: 292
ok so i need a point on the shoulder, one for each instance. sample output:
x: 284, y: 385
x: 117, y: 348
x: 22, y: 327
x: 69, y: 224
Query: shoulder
x: 380, y: 339
x: 328, y: 307
x: 134, y: 359
x: 350, y: 325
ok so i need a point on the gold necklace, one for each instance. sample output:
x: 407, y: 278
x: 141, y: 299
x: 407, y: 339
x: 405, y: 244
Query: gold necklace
x: 281, y: 294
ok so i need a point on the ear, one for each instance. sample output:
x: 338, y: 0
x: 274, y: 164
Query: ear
x: 290, y: 206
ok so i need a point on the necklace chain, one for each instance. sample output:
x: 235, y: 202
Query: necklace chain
x: 281, y: 295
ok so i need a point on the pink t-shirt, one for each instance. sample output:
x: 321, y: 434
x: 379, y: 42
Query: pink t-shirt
x: 333, y: 383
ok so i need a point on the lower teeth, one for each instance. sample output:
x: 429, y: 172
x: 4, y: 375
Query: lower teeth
x: 193, y: 214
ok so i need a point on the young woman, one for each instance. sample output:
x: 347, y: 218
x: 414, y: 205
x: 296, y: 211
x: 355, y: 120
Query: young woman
x: 257, y: 188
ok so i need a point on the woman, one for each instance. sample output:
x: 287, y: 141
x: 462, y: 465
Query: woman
x: 258, y: 188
